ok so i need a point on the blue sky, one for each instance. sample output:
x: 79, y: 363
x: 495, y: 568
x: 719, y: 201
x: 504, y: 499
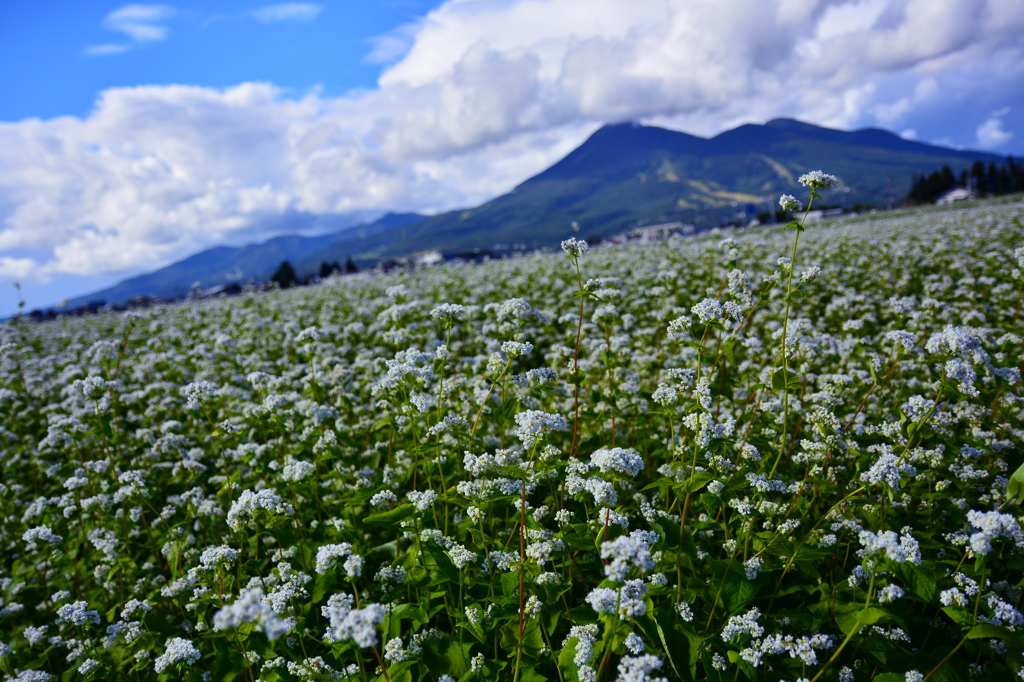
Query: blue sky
x: 133, y: 135
x: 48, y: 71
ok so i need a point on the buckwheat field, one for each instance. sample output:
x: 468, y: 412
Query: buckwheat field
x: 780, y: 454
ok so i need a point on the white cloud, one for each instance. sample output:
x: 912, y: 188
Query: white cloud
x: 484, y: 94
x: 105, y: 49
x: 991, y: 134
x: 141, y: 23
x: 287, y: 11
x: 17, y: 269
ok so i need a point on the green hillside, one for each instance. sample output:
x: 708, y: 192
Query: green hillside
x: 623, y: 176
x: 628, y: 174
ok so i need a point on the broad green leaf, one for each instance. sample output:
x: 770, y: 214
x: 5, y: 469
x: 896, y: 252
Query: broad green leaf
x: 391, y: 517
x: 853, y: 617
x: 1015, y: 488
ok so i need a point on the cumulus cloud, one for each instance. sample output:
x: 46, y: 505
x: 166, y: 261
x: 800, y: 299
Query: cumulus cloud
x: 483, y: 94
x: 991, y: 133
x: 287, y: 11
x: 141, y: 23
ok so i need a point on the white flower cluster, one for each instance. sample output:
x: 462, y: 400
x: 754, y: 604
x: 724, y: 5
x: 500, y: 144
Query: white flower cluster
x: 195, y: 392
x: 575, y: 247
x: 355, y: 624
x: 40, y: 534
x: 627, y: 601
x: 626, y: 551
x: 328, y: 555
x: 250, y: 608
x: 585, y: 636
x: 990, y: 526
x: 422, y: 499
x: 535, y: 424
x: 77, y: 613
x: 244, y: 509
x: 179, y: 650
x: 639, y: 669
x: 899, y: 548
x: 818, y: 180
x: 619, y: 460
x: 887, y: 468
x: 448, y: 311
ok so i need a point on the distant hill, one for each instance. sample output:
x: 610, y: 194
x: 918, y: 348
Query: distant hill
x: 623, y: 176
x: 628, y: 174
x: 225, y: 264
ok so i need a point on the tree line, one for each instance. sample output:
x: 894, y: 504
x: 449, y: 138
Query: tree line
x: 985, y: 180
x: 285, y: 275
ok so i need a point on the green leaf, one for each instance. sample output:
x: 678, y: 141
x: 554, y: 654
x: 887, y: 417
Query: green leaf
x: 1015, y: 488
x: 696, y: 482
x: 852, y: 617
x: 566, y: 663
x: 959, y: 615
x: 989, y: 631
x: 445, y: 566
x: 779, y: 380
x: 413, y: 612
x: 516, y: 473
x: 676, y: 645
x: 392, y: 517
x: 533, y: 641
x: 709, y: 670
x: 659, y: 482
x: 448, y: 656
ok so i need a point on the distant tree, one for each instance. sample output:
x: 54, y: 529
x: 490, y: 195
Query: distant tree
x: 285, y: 276
x: 327, y: 269
x: 990, y: 180
x: 350, y: 266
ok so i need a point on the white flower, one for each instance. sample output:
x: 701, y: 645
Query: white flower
x: 195, y: 392
x: 992, y: 525
x: 250, y: 608
x: 708, y: 310
x: 745, y: 623
x: 790, y: 203
x: 534, y: 424
x: 355, y: 624
x: 639, y: 668
x: 422, y: 500
x: 177, y: 650
x: 634, y: 644
x: 244, y: 509
x: 621, y: 460
x: 328, y: 555
x: 575, y: 247
x: 77, y: 613
x: 383, y: 497
x: 818, y: 180
x: 633, y: 549
x: 752, y: 567
x: 448, y: 311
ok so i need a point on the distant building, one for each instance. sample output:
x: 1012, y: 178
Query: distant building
x: 821, y: 214
x: 956, y: 194
x: 651, y: 233
x: 429, y: 258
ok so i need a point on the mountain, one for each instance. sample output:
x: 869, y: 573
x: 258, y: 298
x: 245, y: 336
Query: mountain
x: 622, y: 176
x: 225, y: 264
x: 626, y: 175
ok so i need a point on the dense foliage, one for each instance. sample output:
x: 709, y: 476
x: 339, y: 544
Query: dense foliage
x: 577, y: 466
x: 991, y: 180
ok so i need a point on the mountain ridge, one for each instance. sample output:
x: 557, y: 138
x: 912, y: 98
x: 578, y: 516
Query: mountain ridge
x: 623, y: 175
